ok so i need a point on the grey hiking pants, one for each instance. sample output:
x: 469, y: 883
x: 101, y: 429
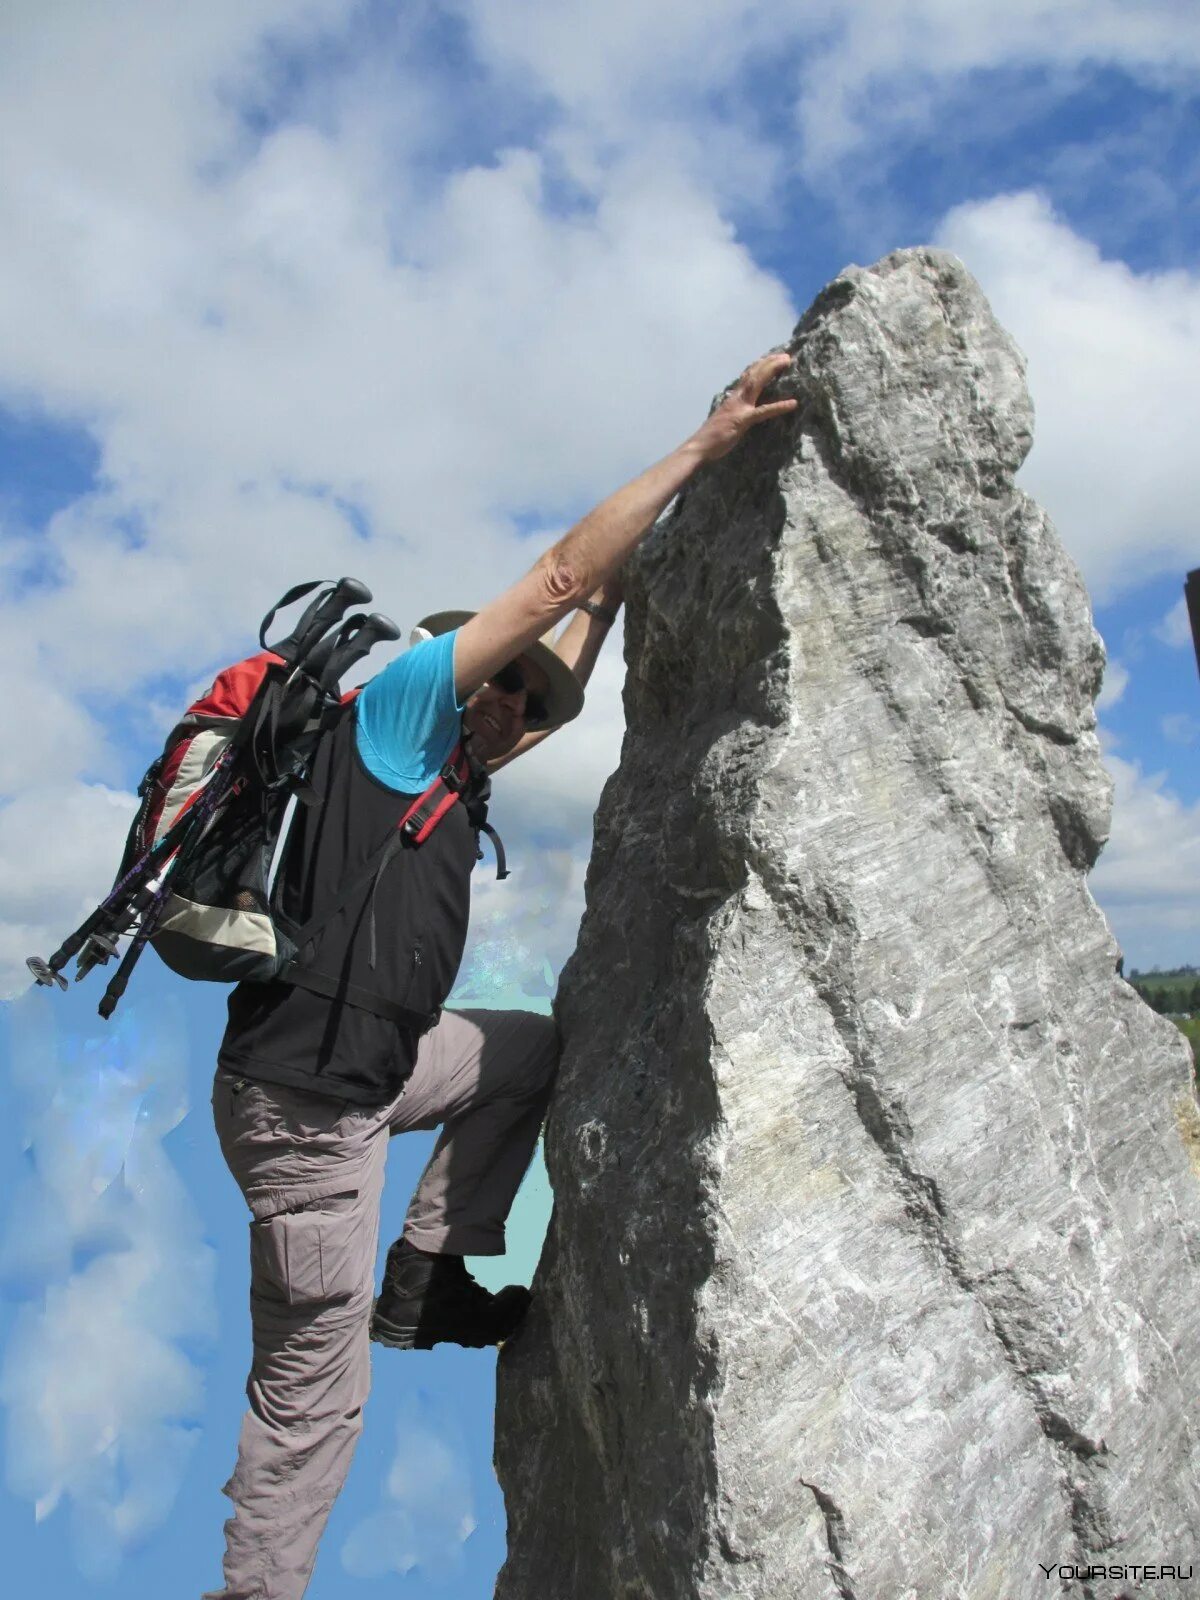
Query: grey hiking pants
x: 311, y: 1171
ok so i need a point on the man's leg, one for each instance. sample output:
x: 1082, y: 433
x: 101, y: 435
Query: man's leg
x: 486, y: 1078
x: 312, y: 1172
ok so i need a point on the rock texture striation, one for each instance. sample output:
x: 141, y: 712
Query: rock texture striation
x: 872, y: 1270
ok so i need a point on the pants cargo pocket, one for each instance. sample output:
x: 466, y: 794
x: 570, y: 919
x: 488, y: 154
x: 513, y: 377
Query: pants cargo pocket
x: 310, y: 1256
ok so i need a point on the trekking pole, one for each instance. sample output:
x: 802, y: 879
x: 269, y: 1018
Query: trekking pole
x: 351, y: 643
x: 100, y: 948
x: 354, y: 639
x: 149, y: 921
x: 328, y: 608
x: 318, y: 657
x: 290, y: 704
x: 310, y: 687
x: 117, y: 902
x: 196, y: 822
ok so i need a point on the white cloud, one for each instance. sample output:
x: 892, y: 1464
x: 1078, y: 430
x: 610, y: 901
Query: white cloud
x: 1146, y: 877
x: 866, y: 73
x: 1116, y: 681
x: 1175, y: 629
x: 1179, y: 728
x: 255, y: 325
x: 628, y: 78
x: 257, y: 335
x: 429, y: 1507
x: 59, y: 848
x: 1113, y: 356
x: 881, y: 73
x: 105, y: 1251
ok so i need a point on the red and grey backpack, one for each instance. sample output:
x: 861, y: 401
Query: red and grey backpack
x: 195, y: 879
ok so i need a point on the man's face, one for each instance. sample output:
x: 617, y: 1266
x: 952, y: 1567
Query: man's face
x: 495, y: 717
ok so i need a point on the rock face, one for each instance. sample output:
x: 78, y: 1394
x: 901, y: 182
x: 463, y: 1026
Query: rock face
x: 872, y: 1270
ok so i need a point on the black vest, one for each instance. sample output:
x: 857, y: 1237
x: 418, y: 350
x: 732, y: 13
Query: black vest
x: 419, y: 906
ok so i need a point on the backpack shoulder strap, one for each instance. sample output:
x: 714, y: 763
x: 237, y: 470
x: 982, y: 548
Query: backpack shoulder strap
x: 462, y: 777
x: 423, y: 816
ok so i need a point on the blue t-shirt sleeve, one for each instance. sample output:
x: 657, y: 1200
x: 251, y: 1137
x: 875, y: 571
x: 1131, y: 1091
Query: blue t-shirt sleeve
x: 408, y: 716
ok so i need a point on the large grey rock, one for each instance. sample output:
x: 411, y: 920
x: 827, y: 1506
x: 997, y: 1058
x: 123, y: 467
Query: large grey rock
x: 877, y: 1192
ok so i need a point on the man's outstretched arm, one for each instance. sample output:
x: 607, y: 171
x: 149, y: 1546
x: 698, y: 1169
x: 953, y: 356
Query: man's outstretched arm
x: 601, y: 542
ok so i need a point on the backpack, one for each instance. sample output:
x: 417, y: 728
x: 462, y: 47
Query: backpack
x: 196, y: 875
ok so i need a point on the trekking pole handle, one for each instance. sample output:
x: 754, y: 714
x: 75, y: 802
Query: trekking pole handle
x: 319, y: 656
x: 375, y: 629
x: 329, y: 607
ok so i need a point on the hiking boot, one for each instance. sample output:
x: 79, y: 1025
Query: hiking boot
x: 430, y: 1299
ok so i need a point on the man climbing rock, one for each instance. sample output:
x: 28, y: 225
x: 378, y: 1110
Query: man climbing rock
x: 316, y: 1074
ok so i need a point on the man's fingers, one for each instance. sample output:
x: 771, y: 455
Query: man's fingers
x: 761, y: 372
x: 741, y: 410
x: 777, y: 408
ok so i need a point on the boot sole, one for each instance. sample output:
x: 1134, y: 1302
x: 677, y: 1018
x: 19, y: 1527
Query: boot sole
x: 401, y: 1336
x: 397, y: 1338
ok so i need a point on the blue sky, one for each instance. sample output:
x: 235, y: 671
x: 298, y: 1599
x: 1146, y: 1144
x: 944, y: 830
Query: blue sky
x: 297, y: 287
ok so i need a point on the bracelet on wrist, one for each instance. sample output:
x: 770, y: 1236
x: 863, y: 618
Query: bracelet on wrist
x: 602, y: 613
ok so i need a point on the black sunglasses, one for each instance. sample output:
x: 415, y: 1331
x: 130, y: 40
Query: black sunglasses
x: 512, y: 681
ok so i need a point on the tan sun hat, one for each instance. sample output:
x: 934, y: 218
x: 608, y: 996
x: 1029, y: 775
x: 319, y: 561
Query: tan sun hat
x: 564, y: 697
